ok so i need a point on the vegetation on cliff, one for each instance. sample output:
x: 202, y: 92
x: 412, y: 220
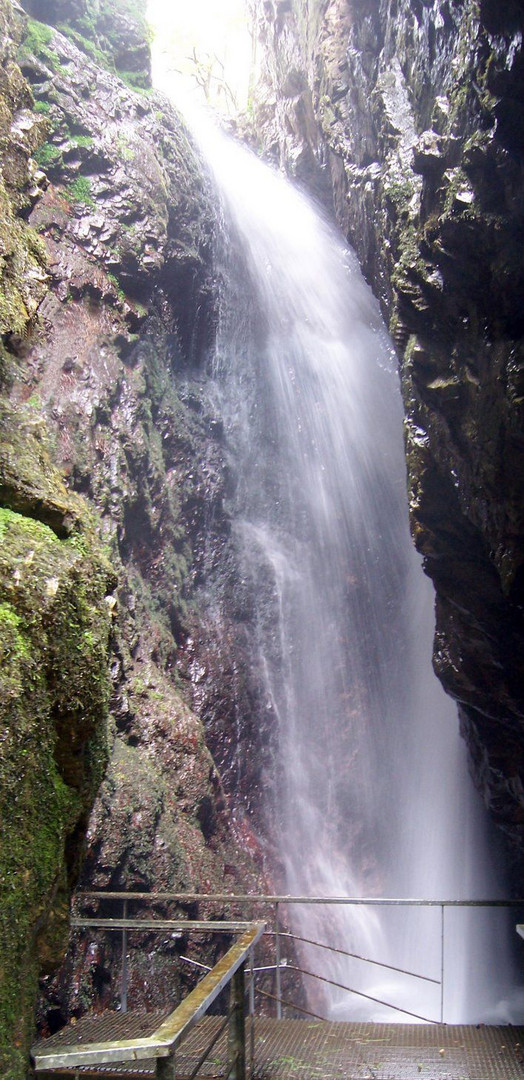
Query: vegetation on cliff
x: 106, y: 322
x: 23, y: 276
x: 115, y: 37
x: 55, y: 624
x: 54, y: 617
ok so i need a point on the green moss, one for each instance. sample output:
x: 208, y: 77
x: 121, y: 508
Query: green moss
x: 118, y: 288
x: 137, y: 81
x: 23, y: 278
x: 54, y: 691
x: 37, y: 41
x: 79, y: 191
x: 82, y: 140
x: 124, y: 149
x: 28, y: 480
x: 38, y: 36
x: 48, y: 155
x: 85, y: 44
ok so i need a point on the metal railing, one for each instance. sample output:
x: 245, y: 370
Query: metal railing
x: 161, y: 1044
x: 280, y: 934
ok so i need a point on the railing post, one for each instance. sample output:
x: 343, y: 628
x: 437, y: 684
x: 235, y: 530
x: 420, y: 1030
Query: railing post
x: 251, y: 1014
x: 278, y: 975
x: 165, y: 1068
x: 237, y: 1029
x: 123, y: 978
x: 442, y: 963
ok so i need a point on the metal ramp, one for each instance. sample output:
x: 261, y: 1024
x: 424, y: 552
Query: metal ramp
x: 185, y: 1044
x: 313, y: 1050
x: 124, y: 1039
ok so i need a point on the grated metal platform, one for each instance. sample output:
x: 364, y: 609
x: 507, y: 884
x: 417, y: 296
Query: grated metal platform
x: 316, y: 1050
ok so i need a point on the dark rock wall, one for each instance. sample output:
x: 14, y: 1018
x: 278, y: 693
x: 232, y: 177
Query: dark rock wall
x: 115, y: 36
x: 56, y: 596
x: 112, y: 465
x: 418, y: 115
x: 113, y: 469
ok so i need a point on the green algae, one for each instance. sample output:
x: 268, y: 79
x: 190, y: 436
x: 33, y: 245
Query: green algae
x: 23, y: 266
x: 79, y: 191
x: 54, y: 693
x: 37, y: 42
x: 23, y: 269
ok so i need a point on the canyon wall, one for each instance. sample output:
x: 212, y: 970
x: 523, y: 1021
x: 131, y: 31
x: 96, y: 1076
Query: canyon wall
x: 120, y: 693
x: 112, y: 465
x: 412, y: 109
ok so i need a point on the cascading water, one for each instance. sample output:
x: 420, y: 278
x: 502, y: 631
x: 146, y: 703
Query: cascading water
x: 372, y: 796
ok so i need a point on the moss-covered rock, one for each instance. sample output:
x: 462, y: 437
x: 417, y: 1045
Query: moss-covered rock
x: 133, y: 195
x: 23, y: 277
x: 114, y: 37
x: 54, y: 616
x: 54, y: 690
x: 106, y: 396
x: 111, y: 388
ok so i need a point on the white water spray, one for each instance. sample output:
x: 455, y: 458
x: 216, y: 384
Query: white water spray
x: 373, y: 797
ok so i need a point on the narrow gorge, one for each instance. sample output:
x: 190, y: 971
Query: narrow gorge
x: 141, y: 637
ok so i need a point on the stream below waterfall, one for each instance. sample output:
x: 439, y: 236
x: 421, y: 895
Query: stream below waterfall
x: 371, y: 793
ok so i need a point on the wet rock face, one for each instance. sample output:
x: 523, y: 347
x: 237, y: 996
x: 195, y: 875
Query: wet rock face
x: 416, y: 101
x: 124, y: 171
x: 111, y: 466
x: 114, y: 36
x: 23, y: 263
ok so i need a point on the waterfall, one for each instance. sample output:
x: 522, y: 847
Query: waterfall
x: 371, y: 794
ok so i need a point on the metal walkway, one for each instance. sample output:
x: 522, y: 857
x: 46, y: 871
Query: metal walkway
x: 318, y: 1050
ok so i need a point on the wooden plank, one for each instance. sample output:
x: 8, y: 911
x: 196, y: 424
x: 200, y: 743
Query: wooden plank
x: 165, y: 1038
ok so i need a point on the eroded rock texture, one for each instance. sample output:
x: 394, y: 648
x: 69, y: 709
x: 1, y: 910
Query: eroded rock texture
x: 111, y: 465
x: 417, y: 103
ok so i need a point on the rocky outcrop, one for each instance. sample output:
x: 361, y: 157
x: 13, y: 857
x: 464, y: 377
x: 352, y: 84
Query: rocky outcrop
x: 56, y: 602
x: 111, y: 463
x: 22, y: 256
x: 417, y: 104
x: 113, y: 36
x: 56, y: 599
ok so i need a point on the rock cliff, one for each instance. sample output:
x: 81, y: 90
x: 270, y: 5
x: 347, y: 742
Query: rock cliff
x: 111, y: 462
x: 413, y: 108
x: 404, y: 115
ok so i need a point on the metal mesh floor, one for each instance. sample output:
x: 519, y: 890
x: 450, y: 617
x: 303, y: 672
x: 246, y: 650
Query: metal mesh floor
x: 315, y: 1050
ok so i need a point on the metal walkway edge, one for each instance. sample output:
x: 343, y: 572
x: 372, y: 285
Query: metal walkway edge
x: 95, y: 1050
x: 316, y: 1050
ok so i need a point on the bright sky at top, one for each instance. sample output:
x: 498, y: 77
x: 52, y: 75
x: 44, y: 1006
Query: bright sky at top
x: 204, y: 45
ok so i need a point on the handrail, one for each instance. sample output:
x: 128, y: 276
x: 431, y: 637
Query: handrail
x: 262, y: 898
x: 163, y: 1041
x: 360, y: 993
x: 160, y: 924
x: 357, y: 956
x: 275, y: 900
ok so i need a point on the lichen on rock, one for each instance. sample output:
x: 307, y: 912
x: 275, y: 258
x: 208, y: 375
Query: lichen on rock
x: 105, y: 397
x: 54, y: 691
x: 23, y: 272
